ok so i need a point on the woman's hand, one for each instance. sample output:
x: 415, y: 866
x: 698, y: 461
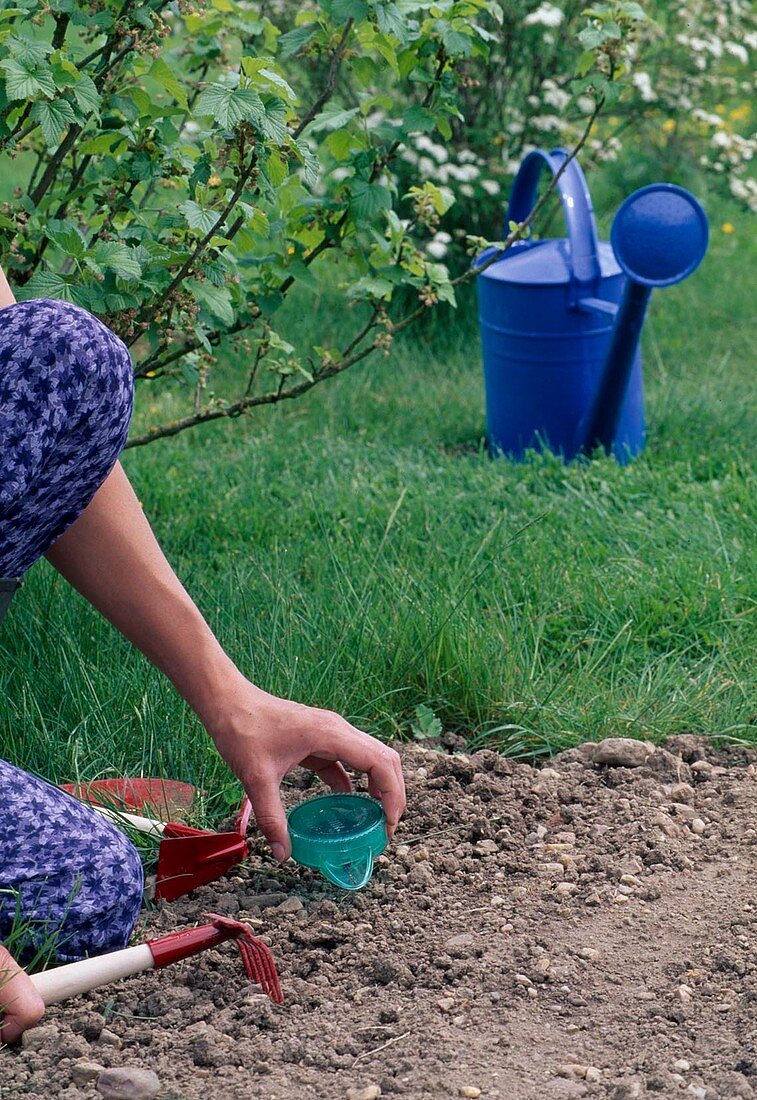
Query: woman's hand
x: 262, y: 738
x: 20, y: 1004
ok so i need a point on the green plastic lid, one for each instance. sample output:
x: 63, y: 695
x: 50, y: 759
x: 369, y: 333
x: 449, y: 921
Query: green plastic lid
x: 339, y: 835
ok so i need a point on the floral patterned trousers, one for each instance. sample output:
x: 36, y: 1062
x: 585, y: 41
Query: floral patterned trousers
x: 67, y: 876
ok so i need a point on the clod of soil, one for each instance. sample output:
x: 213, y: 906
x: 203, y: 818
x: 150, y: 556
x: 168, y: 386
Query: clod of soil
x: 583, y: 929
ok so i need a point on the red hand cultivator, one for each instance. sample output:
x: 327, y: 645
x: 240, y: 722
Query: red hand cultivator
x: 81, y: 977
x: 187, y: 857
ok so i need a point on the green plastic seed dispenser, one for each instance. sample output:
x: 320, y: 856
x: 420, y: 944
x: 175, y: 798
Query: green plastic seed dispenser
x: 339, y: 835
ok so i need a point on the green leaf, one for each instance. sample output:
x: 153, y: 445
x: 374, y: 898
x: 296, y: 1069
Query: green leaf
x: 369, y: 199
x: 456, y: 43
x: 425, y: 724
x: 293, y: 41
x: 86, y: 94
x: 259, y: 71
x: 590, y: 38
x: 117, y: 258
x: 390, y: 20
x: 68, y: 237
x: 166, y: 77
x: 586, y: 62
x: 333, y: 118
x: 343, y: 143
x: 53, y: 118
x: 29, y: 52
x: 22, y: 83
x: 302, y: 273
x: 369, y: 287
x: 216, y: 299
x: 228, y: 106
x: 273, y: 124
x: 46, y: 284
x: 197, y: 216
x: 419, y: 118
x: 342, y: 10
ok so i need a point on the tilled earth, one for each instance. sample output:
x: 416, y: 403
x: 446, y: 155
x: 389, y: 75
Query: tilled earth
x: 583, y: 929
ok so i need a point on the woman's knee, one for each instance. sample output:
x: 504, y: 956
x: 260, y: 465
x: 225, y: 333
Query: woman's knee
x: 104, y: 898
x: 70, y: 882
x: 69, y: 360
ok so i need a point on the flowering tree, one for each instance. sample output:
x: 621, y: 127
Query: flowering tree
x: 686, y: 103
x: 180, y: 169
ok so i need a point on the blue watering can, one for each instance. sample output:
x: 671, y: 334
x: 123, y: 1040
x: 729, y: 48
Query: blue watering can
x: 561, y: 319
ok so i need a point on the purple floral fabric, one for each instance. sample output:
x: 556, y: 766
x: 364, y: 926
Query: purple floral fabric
x: 73, y: 877
x: 66, y: 386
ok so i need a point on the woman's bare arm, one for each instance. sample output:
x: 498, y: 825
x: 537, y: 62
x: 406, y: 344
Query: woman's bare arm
x: 112, y: 557
x: 6, y: 294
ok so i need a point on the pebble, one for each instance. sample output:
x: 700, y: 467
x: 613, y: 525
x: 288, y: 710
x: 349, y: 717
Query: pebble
x: 109, y: 1039
x: 446, y: 1004
x: 703, y: 767
x: 463, y: 939
x: 593, y: 1075
x: 697, y: 1092
x: 369, y: 1092
x: 681, y: 1065
x: 82, y: 1073
x: 622, y: 752
x: 698, y: 826
x: 688, y: 813
x: 128, y: 1083
x: 523, y: 979
x: 472, y: 1092
x: 37, y: 1037
x: 574, y: 1071
x: 683, y: 993
x: 590, y: 953
x: 550, y: 869
x: 292, y: 904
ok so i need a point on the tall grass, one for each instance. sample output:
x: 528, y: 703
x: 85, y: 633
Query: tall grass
x: 359, y: 550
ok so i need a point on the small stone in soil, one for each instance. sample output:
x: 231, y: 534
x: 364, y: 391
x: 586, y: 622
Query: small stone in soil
x: 84, y: 1072
x: 369, y: 1092
x: 472, y: 1092
x: 622, y: 752
x: 37, y: 1037
x: 109, y: 1038
x: 128, y: 1083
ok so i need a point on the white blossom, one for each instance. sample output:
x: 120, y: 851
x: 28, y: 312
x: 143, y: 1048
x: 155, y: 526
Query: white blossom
x: 643, y: 82
x: 490, y: 186
x: 735, y: 49
x: 546, y: 15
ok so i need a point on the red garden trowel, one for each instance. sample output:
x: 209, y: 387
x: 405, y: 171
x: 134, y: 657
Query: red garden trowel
x: 187, y: 857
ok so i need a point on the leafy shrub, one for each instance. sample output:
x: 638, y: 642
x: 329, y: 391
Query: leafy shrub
x: 181, y: 168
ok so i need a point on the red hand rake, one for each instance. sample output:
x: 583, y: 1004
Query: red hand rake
x: 187, y: 857
x: 81, y: 977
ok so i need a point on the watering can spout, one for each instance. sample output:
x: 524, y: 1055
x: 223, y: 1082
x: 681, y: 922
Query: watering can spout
x: 659, y: 237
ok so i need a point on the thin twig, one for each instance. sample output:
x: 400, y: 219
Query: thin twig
x: 328, y: 91
x: 388, y: 1043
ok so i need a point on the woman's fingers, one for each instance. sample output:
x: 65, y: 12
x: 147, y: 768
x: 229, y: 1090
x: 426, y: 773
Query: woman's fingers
x: 381, y: 764
x: 269, y: 813
x: 21, y: 1006
x: 330, y: 771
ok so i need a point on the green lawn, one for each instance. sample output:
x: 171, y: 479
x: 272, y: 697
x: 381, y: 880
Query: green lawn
x: 358, y: 550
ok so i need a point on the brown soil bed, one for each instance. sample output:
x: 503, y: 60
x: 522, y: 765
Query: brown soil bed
x: 583, y: 929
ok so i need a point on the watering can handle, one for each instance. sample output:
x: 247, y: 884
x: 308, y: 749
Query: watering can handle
x: 576, y: 202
